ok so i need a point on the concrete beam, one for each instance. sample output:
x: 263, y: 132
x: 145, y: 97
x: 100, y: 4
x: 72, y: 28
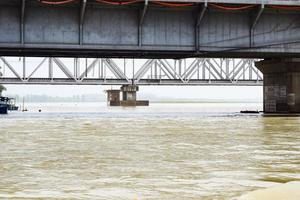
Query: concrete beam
x: 254, y: 22
x: 82, y: 13
x: 123, y: 31
x: 141, y: 21
x: 22, y: 21
x: 200, y: 16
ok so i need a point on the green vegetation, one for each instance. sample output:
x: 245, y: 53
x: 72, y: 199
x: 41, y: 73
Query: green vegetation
x: 2, y: 88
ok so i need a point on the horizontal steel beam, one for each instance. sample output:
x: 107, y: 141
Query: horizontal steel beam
x: 155, y: 82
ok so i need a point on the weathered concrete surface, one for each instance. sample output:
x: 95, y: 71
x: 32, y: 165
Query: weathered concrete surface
x: 281, y: 85
x: 288, y: 191
x: 129, y: 92
x: 113, y: 97
x: 164, y: 32
x: 128, y: 97
x: 135, y: 103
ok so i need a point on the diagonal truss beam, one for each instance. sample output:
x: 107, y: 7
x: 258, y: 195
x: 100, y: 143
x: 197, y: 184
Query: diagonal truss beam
x: 115, y: 69
x: 11, y: 68
x: 88, y: 69
x: 34, y: 71
x: 143, y: 70
x: 63, y: 68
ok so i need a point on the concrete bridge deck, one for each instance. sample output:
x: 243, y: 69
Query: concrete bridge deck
x: 150, y: 29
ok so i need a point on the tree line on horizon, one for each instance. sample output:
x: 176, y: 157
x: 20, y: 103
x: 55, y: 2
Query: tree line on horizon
x: 2, y: 88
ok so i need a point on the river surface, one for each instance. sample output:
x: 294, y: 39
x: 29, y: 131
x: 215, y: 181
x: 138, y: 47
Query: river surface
x: 165, y: 151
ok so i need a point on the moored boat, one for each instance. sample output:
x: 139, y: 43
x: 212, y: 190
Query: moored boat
x: 3, y: 105
x: 11, y: 105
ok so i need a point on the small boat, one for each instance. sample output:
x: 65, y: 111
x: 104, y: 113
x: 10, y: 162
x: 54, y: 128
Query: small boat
x: 250, y: 111
x: 7, y: 104
x: 3, y: 105
x: 12, y: 104
x: 3, y: 109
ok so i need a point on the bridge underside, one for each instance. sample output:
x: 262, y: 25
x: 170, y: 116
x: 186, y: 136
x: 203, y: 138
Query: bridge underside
x: 147, y: 30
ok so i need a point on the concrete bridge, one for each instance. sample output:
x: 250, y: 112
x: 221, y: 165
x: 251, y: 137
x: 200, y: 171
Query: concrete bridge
x: 150, y: 28
x: 266, y: 29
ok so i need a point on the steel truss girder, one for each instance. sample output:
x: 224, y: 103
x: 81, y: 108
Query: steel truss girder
x: 198, y: 71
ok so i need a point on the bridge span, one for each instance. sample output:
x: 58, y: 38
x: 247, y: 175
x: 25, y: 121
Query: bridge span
x: 150, y: 28
x: 105, y: 71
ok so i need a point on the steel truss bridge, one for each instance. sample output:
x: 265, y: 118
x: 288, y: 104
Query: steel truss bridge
x: 105, y: 71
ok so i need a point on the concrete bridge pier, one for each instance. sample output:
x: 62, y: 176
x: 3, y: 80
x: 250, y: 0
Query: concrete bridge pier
x: 281, y: 85
x: 129, y: 92
x: 128, y: 97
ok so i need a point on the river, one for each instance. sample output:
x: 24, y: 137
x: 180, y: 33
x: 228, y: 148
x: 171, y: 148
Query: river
x: 165, y: 151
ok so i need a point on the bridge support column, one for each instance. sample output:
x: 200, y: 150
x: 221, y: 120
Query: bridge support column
x: 113, y: 97
x: 281, y: 85
x: 128, y: 97
x: 129, y: 92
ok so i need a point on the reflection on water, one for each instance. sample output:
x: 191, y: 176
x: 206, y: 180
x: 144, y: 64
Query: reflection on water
x: 178, y: 151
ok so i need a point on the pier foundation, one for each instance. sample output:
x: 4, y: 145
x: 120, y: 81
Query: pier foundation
x: 281, y: 85
x: 129, y: 97
x: 113, y: 97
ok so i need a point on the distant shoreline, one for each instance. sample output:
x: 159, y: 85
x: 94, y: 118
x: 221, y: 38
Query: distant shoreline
x: 94, y: 98
x: 152, y: 101
x: 205, y: 101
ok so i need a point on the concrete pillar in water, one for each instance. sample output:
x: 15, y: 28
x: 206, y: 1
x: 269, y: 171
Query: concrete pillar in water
x: 113, y: 97
x: 129, y: 95
x: 129, y: 92
x: 281, y: 85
